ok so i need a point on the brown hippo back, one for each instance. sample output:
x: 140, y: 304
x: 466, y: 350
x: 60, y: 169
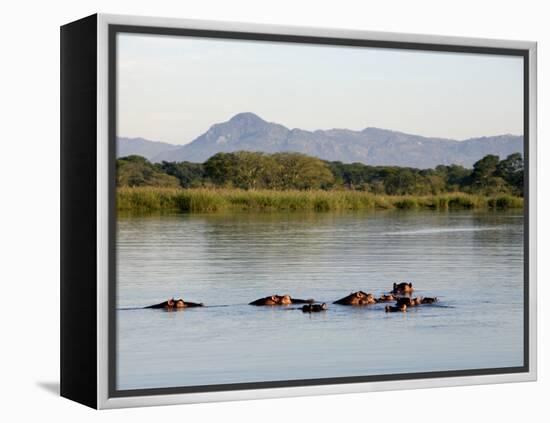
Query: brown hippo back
x: 386, y: 298
x: 280, y: 300
x: 408, y: 301
x: 175, y: 304
x: 357, y: 299
x: 266, y: 301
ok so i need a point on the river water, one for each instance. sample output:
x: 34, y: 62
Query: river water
x: 472, y: 261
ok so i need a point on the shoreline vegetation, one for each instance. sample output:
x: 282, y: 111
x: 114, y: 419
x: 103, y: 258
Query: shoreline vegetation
x: 211, y: 200
x: 252, y: 181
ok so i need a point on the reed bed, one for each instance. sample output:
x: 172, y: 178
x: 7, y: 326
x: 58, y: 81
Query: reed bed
x: 202, y: 200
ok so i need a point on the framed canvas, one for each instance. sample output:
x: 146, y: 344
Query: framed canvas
x: 254, y: 211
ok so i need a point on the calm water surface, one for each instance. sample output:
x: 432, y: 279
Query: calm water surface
x: 472, y: 261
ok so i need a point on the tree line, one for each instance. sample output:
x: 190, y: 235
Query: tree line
x: 294, y: 171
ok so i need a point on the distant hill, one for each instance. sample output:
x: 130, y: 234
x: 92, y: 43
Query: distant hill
x: 142, y: 147
x: 373, y: 146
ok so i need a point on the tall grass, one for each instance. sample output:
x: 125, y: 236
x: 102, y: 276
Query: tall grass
x: 149, y: 199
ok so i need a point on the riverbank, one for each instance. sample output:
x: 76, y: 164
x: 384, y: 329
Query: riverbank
x: 148, y: 199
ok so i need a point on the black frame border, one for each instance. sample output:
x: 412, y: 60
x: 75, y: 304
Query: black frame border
x: 78, y: 211
x: 114, y: 29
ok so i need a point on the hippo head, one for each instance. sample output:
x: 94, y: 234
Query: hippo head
x: 285, y: 299
x: 273, y: 300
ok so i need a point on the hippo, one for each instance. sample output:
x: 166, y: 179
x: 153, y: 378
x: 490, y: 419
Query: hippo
x: 392, y: 309
x: 280, y: 300
x: 314, y: 308
x: 386, y: 298
x: 402, y: 288
x: 175, y: 304
x: 358, y: 298
x: 409, y: 302
x: 429, y: 300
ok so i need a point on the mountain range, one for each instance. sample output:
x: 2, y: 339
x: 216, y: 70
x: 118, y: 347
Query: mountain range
x: 142, y: 147
x: 373, y: 146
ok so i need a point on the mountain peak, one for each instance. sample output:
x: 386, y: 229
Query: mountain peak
x: 246, y: 118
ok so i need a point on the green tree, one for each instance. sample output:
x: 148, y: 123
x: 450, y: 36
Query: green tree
x: 221, y: 168
x: 190, y: 175
x: 242, y: 169
x: 457, y: 177
x: 511, y: 170
x: 377, y: 186
x: 298, y: 171
x: 483, y: 171
x: 400, y: 183
x: 135, y: 171
x: 254, y: 170
x: 435, y: 183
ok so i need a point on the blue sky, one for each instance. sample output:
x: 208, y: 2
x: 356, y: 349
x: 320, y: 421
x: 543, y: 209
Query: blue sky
x: 173, y: 89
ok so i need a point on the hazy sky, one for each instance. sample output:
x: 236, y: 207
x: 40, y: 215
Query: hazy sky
x: 173, y: 89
